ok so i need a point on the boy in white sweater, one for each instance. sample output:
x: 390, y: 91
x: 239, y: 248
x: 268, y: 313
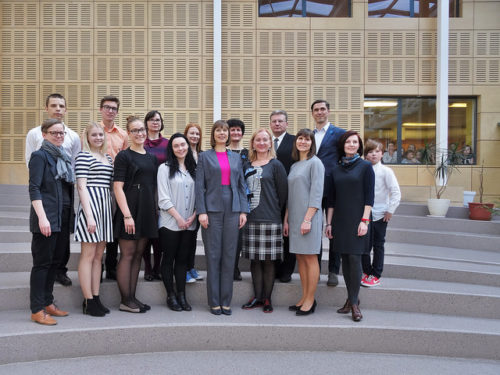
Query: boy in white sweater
x: 387, y: 197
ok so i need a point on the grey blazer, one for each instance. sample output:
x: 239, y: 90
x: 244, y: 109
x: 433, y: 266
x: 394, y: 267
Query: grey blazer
x: 208, y: 186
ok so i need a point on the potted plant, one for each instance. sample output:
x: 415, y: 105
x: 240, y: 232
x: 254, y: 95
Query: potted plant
x: 441, y: 171
x: 481, y: 211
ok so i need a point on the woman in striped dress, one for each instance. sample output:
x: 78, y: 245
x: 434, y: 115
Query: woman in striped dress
x: 94, y: 227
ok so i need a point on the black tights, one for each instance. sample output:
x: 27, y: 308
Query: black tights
x: 176, y: 246
x: 127, y: 271
x: 351, y: 268
x: 262, y: 278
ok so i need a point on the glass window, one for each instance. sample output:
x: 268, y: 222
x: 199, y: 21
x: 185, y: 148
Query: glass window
x: 409, y: 8
x: 406, y: 126
x: 304, y: 8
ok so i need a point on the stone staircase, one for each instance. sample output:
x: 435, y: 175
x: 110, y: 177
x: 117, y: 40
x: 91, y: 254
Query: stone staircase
x: 439, y: 297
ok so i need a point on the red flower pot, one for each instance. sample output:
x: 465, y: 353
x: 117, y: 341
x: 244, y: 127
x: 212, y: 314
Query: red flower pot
x: 479, y: 211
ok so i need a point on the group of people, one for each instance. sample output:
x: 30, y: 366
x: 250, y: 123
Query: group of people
x: 139, y: 190
x: 414, y: 156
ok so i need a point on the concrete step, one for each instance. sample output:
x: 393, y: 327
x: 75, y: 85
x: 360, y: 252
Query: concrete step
x: 418, y: 209
x: 20, y: 197
x: 393, y: 294
x: 443, y: 238
x: 402, y: 261
x: 450, y: 225
x: 161, y: 329
x: 231, y: 362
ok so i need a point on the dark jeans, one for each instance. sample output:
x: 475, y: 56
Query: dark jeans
x: 192, y: 250
x: 175, y: 246
x: 155, y: 267
x: 377, y: 241
x: 287, y: 265
x: 334, y: 259
x: 48, y: 253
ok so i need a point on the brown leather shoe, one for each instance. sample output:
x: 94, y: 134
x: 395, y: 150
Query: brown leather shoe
x: 346, y: 308
x: 54, y: 310
x: 356, y: 313
x: 42, y: 317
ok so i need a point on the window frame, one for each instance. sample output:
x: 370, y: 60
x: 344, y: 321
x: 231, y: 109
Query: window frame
x: 400, y: 114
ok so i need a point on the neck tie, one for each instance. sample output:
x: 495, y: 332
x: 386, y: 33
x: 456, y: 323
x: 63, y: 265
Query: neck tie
x: 275, y: 144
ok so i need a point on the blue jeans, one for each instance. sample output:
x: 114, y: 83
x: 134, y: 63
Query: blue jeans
x: 377, y: 241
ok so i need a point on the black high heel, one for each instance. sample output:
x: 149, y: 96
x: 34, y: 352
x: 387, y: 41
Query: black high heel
x: 300, y: 312
x: 294, y: 307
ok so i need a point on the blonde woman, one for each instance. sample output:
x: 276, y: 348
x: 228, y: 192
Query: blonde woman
x: 94, y: 171
x: 262, y: 235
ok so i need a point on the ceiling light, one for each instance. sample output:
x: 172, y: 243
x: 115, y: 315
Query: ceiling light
x: 419, y: 124
x: 380, y: 103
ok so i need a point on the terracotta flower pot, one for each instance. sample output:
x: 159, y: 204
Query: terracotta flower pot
x: 478, y: 211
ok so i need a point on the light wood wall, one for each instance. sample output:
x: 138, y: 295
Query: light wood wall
x: 158, y: 55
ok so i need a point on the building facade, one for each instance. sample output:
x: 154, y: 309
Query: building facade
x: 159, y: 55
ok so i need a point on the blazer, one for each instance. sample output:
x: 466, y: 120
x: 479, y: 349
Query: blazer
x: 328, y: 151
x: 284, y: 151
x: 44, y: 186
x: 208, y: 187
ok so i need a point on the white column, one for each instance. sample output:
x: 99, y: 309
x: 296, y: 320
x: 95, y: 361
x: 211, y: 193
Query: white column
x: 442, y: 82
x: 217, y: 56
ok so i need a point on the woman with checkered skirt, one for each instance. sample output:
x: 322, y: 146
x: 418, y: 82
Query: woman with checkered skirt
x: 262, y: 236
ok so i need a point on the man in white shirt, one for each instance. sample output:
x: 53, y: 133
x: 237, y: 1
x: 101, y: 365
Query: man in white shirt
x: 387, y: 198
x: 55, y: 105
x: 326, y: 136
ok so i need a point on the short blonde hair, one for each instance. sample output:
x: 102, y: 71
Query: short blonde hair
x: 252, y: 154
x: 85, y: 137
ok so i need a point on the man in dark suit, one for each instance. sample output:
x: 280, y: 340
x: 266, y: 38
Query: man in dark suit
x: 326, y: 136
x: 283, y: 143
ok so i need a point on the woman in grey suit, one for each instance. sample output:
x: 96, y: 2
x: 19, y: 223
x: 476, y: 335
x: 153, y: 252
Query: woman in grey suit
x: 222, y: 206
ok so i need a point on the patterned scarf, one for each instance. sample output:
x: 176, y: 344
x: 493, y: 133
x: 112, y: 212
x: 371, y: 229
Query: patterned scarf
x: 348, y: 160
x: 63, y: 161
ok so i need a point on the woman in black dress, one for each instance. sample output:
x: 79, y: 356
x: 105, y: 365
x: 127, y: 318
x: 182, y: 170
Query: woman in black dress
x: 135, y: 222
x: 350, y: 200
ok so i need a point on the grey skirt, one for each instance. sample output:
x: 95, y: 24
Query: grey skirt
x: 262, y: 241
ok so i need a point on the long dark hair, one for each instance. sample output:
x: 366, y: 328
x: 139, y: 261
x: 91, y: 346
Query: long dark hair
x: 172, y: 161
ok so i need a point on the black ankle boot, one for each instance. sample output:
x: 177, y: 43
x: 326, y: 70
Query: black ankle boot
x: 91, y: 308
x: 173, y: 304
x: 101, y: 306
x: 181, y: 297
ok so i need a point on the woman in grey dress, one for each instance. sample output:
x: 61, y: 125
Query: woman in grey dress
x: 303, y: 222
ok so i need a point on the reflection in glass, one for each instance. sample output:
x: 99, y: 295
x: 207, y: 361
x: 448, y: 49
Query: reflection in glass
x: 409, y: 125
x: 304, y: 8
x: 409, y: 8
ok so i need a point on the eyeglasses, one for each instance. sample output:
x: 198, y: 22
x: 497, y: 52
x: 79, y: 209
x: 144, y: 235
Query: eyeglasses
x: 109, y: 108
x: 57, y: 134
x: 154, y: 120
x: 137, y: 131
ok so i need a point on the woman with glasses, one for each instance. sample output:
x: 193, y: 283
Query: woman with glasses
x: 156, y: 145
x: 51, y: 182
x: 135, y: 222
